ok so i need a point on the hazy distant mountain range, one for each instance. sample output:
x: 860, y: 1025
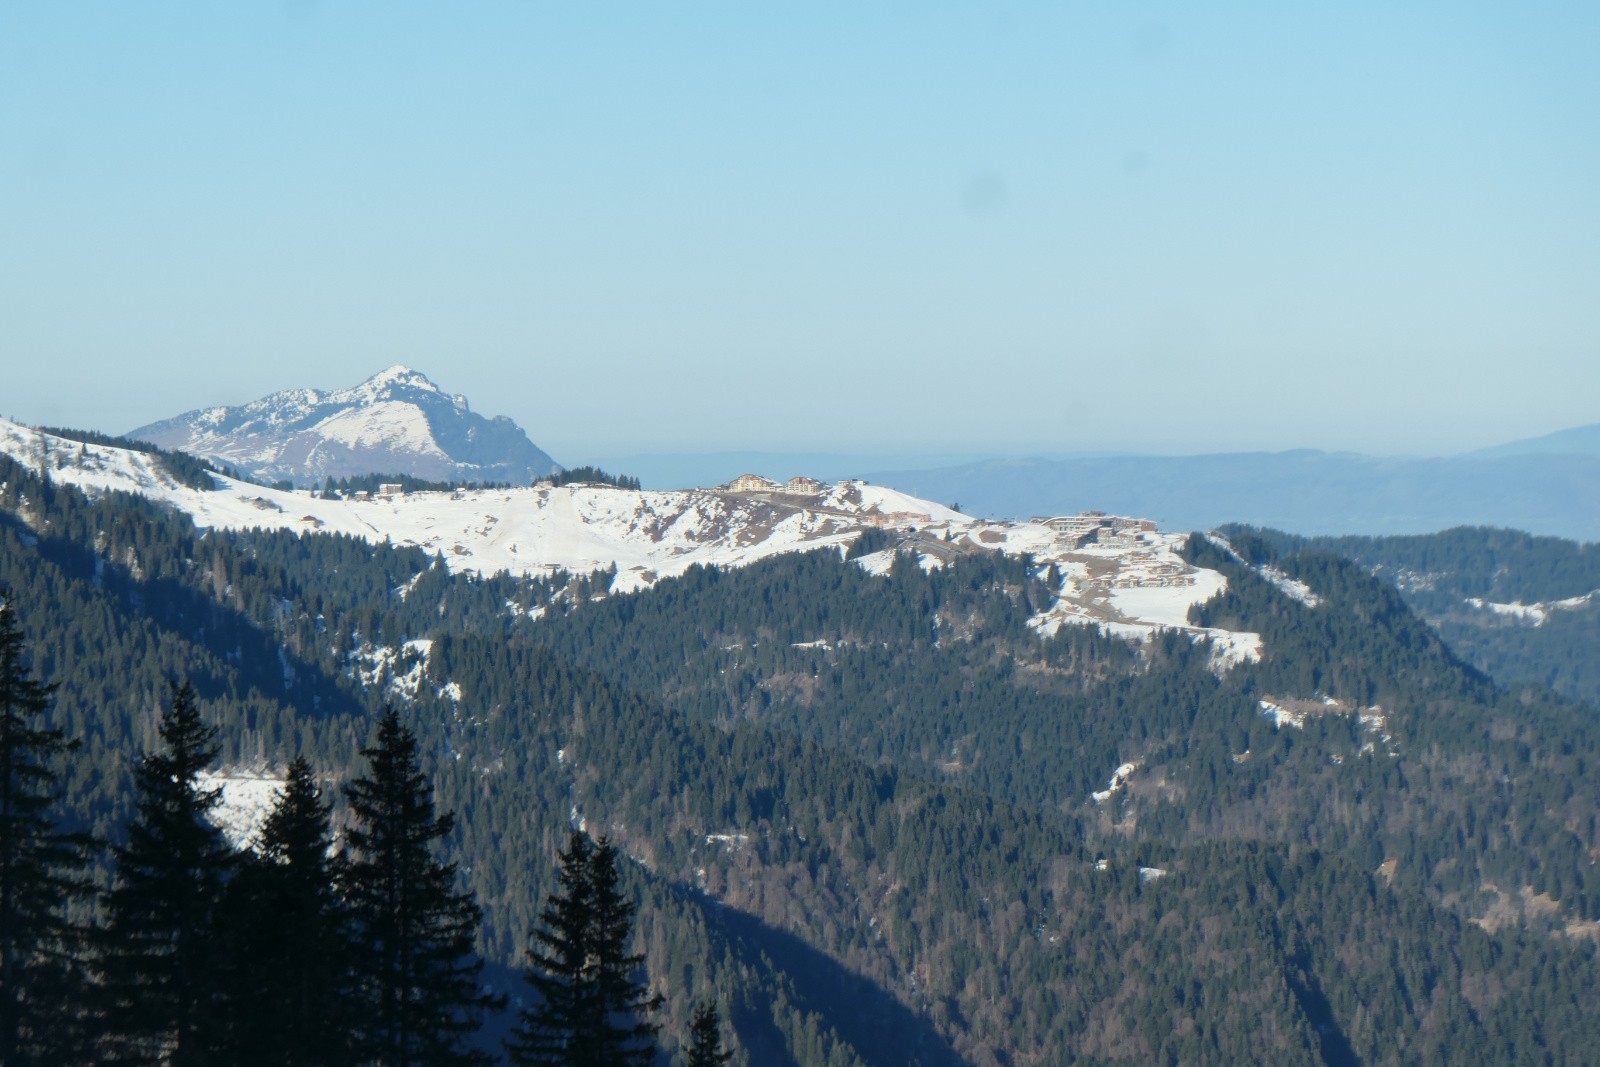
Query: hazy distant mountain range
x: 399, y: 421
x: 1548, y: 485
x: 395, y: 422
x: 1579, y: 441
x: 1302, y: 492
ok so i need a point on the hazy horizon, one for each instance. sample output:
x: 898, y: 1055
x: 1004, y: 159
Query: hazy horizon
x: 813, y: 460
x: 1044, y: 230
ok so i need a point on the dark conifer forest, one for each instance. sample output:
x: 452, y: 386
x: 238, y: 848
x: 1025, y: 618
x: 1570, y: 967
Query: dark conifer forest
x: 1519, y: 607
x: 793, y: 813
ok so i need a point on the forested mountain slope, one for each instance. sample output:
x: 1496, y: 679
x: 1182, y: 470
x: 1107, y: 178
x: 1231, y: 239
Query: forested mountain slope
x: 1525, y: 609
x: 878, y: 814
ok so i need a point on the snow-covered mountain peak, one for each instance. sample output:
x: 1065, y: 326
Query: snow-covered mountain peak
x: 396, y: 422
x: 396, y: 383
x: 399, y: 372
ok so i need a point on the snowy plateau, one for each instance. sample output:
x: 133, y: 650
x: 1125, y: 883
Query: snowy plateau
x: 1120, y: 574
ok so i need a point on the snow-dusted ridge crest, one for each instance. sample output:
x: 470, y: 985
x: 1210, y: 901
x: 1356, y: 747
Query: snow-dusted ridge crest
x: 397, y: 421
x: 1121, y: 574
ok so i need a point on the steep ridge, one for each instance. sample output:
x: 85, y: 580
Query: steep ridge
x: 396, y: 422
x: 1525, y: 609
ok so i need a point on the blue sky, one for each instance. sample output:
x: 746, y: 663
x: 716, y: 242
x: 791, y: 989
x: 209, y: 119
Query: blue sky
x: 890, y: 229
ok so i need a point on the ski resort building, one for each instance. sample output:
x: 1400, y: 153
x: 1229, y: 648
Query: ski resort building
x: 753, y: 483
x: 1097, y: 526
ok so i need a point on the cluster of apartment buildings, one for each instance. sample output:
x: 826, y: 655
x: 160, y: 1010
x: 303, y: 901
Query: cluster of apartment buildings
x: 1096, y: 527
x: 386, y: 491
x: 1143, y: 567
x: 755, y: 483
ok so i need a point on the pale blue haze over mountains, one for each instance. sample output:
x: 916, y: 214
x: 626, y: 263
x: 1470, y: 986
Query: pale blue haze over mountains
x: 1548, y: 485
x: 400, y: 421
x: 1301, y: 492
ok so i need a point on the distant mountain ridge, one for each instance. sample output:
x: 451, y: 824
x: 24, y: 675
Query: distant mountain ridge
x: 397, y: 421
x: 1302, y: 492
x: 400, y: 422
x: 1577, y: 441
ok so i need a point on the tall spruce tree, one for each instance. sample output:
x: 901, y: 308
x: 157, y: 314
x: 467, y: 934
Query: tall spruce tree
x: 550, y: 1033
x: 42, y: 872
x: 705, y: 1038
x: 291, y: 949
x: 627, y: 1035
x: 416, y: 970
x: 162, y: 956
x: 591, y: 1011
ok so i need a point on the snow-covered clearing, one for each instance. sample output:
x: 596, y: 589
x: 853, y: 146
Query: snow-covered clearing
x: 248, y: 797
x: 1373, y: 721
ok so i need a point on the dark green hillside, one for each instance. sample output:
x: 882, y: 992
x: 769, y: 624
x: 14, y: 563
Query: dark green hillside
x: 883, y: 850
x: 1486, y: 793
x: 914, y: 676
x: 1467, y: 561
x: 1441, y: 575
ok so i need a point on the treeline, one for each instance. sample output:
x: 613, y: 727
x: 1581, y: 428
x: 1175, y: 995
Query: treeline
x: 184, y: 468
x: 574, y: 475
x: 1466, y: 561
x: 370, y: 483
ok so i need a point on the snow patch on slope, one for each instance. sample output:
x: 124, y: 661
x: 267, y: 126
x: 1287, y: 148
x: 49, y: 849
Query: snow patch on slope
x: 247, y: 798
x: 1373, y: 720
x: 1124, y: 577
x: 388, y: 424
x: 399, y: 671
x: 1119, y: 778
x: 1293, y: 588
x: 1539, y: 612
